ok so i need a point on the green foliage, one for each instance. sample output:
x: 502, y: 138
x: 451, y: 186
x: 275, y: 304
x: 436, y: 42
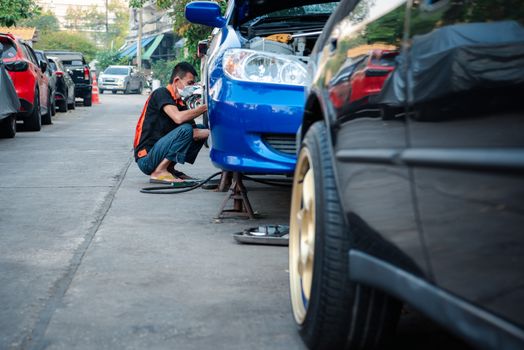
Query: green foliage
x: 44, y: 22
x: 80, y: 18
x: 193, y: 33
x: 162, y: 70
x: 69, y: 41
x: 109, y: 58
x: 12, y: 11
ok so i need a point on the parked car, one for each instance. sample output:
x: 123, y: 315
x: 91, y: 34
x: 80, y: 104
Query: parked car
x: 254, y: 74
x: 9, y: 103
x: 79, y: 71
x: 121, y: 78
x: 65, y: 86
x: 51, y: 79
x: 29, y: 80
x: 424, y: 206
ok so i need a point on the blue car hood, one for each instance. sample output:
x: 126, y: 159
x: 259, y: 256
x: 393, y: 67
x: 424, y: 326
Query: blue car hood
x: 249, y: 9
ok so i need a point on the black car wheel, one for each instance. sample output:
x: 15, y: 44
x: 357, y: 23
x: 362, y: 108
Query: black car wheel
x: 53, y: 108
x: 62, y: 106
x: 33, y: 122
x: 8, y: 127
x: 71, y: 105
x: 331, y: 312
x: 46, y: 118
x: 114, y: 92
x: 101, y: 91
x: 87, y: 101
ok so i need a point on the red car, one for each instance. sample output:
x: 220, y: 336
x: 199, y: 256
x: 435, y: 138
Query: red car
x: 28, y: 77
x: 361, y: 78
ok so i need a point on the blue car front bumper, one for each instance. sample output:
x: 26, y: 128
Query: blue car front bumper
x: 253, y: 125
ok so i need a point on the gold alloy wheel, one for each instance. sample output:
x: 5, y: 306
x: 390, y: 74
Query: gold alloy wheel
x: 302, y: 235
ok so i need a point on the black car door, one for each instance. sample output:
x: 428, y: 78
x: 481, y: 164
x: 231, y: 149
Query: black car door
x: 465, y: 84
x: 376, y: 193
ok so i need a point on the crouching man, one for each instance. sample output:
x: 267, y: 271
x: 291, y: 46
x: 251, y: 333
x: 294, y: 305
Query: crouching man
x: 166, y: 133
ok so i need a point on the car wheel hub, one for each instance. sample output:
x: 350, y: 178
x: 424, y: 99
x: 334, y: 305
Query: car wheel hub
x: 302, y: 236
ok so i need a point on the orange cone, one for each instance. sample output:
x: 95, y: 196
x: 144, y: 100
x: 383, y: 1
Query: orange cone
x: 95, y: 98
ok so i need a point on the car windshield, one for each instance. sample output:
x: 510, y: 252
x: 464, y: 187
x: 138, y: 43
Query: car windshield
x: 116, y: 71
x: 8, y: 50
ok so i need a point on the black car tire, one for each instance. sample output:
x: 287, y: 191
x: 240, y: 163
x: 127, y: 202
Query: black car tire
x: 53, y: 108
x: 71, y: 105
x: 101, y: 91
x: 46, y: 118
x: 62, y: 106
x: 114, y: 92
x: 8, y: 127
x: 33, y: 121
x: 338, y: 314
x: 87, y: 101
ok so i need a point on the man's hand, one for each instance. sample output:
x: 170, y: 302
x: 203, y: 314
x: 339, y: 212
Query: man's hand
x: 201, y: 109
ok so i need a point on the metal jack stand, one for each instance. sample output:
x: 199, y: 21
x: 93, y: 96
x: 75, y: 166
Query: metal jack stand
x: 241, y: 205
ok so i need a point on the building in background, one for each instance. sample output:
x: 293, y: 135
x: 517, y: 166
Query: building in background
x: 158, y: 38
x: 28, y: 34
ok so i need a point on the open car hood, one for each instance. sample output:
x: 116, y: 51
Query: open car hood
x: 249, y: 9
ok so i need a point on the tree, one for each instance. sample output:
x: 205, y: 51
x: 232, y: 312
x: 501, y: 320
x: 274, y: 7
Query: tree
x: 45, y: 22
x: 12, y: 11
x: 119, y: 27
x: 192, y: 33
x: 81, y: 18
x: 69, y: 41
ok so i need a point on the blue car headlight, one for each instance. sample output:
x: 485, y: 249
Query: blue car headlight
x: 264, y: 67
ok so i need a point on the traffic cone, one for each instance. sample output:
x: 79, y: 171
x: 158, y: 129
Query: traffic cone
x: 95, y: 98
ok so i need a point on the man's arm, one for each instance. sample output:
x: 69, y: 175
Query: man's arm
x: 181, y: 117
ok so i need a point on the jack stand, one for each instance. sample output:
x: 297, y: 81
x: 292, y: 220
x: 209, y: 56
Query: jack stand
x: 241, y: 205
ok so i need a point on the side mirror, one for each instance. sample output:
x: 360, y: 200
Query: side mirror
x: 43, y: 66
x: 206, y: 13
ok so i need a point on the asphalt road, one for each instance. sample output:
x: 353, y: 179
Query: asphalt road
x: 89, y: 262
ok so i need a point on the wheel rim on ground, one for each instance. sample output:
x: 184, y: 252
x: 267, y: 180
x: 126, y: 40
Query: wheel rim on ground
x: 302, y: 236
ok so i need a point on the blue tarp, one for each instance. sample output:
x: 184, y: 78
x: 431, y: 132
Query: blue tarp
x: 130, y: 50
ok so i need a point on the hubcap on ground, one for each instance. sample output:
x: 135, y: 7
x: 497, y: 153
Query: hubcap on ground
x: 302, y: 236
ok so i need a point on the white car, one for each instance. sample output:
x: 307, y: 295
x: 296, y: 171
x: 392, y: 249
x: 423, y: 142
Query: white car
x: 121, y: 78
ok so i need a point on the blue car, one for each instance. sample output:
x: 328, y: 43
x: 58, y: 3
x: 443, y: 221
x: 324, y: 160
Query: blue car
x: 254, y: 73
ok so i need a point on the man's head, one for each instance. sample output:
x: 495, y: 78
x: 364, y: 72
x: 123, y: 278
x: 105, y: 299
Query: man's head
x: 183, y: 75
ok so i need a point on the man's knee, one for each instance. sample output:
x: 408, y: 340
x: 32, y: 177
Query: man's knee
x: 184, y: 131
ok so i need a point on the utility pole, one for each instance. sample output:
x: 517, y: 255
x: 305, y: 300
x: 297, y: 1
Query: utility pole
x: 139, y: 42
x: 107, y: 22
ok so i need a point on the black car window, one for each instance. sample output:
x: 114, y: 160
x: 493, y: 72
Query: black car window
x: 8, y: 50
x: 30, y: 56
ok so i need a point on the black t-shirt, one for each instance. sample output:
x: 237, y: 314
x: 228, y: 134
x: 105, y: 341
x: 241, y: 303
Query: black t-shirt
x: 154, y: 123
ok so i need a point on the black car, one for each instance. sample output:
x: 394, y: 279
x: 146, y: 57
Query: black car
x: 80, y: 72
x: 416, y: 195
x: 41, y: 56
x: 65, y: 86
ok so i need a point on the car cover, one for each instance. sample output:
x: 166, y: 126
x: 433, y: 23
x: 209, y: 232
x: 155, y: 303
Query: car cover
x: 476, y: 55
x: 9, y: 102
